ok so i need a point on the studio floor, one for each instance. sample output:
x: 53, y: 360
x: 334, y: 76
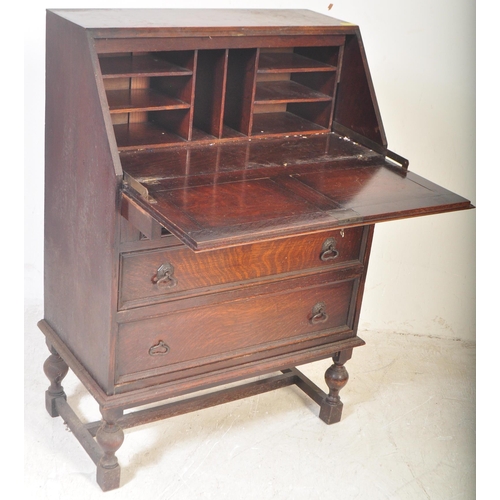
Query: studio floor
x: 407, y: 433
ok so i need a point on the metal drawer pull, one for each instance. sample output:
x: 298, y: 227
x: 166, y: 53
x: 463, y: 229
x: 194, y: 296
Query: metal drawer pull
x: 158, y: 349
x: 165, y: 276
x: 328, y: 250
x: 318, y: 314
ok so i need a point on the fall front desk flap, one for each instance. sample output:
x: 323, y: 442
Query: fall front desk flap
x: 219, y: 195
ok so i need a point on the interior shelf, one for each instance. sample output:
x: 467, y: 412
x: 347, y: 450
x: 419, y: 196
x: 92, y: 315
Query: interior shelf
x: 143, y: 135
x: 287, y: 91
x: 201, y: 135
x: 283, y: 123
x: 125, y: 101
x: 140, y: 65
x: 151, y: 135
x: 228, y: 133
x: 289, y: 62
x: 164, y: 98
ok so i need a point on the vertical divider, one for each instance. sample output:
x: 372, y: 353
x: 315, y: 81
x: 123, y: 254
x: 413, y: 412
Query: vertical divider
x: 217, y: 125
x: 187, y: 125
x: 211, y: 75
x: 240, y: 89
x: 340, y: 58
x: 138, y: 82
x: 249, y: 92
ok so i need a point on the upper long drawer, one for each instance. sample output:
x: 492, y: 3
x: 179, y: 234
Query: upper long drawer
x: 152, y: 276
x: 229, y: 194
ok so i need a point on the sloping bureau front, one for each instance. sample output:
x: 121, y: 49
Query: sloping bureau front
x: 212, y: 184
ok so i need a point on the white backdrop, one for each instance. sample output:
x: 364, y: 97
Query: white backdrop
x: 421, y: 278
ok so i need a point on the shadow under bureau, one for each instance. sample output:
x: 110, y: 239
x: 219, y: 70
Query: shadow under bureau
x: 212, y: 184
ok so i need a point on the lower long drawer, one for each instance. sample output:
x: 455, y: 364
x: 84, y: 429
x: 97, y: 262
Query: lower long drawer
x: 236, y: 329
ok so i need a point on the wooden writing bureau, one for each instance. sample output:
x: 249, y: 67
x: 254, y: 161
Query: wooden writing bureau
x: 212, y: 184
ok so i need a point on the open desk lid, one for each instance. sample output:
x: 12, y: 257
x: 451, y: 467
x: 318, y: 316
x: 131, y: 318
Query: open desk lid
x: 220, y: 195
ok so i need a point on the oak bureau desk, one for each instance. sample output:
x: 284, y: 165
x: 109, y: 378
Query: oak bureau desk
x: 212, y: 184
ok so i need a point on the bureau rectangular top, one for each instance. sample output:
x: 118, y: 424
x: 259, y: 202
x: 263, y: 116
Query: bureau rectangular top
x: 115, y: 23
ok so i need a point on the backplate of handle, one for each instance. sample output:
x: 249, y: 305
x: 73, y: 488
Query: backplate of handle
x: 165, y: 276
x: 318, y: 314
x: 329, y: 250
x: 159, y: 349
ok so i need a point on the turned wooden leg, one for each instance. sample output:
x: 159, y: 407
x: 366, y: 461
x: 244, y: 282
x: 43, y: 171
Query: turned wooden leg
x: 336, y: 378
x: 55, y: 368
x: 110, y: 437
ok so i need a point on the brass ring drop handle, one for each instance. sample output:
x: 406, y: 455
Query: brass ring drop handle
x: 328, y: 250
x: 158, y: 349
x: 318, y: 314
x: 165, y: 276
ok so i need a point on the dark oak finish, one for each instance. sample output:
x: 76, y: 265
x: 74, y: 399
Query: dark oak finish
x: 212, y: 184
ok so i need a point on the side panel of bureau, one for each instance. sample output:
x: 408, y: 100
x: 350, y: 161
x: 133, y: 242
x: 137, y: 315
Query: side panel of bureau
x: 80, y: 203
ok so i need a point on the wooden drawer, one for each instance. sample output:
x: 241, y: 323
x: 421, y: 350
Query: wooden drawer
x: 186, y: 272
x: 230, y: 330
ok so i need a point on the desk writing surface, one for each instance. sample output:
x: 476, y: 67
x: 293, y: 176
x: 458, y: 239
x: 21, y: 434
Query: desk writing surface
x: 215, y: 196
